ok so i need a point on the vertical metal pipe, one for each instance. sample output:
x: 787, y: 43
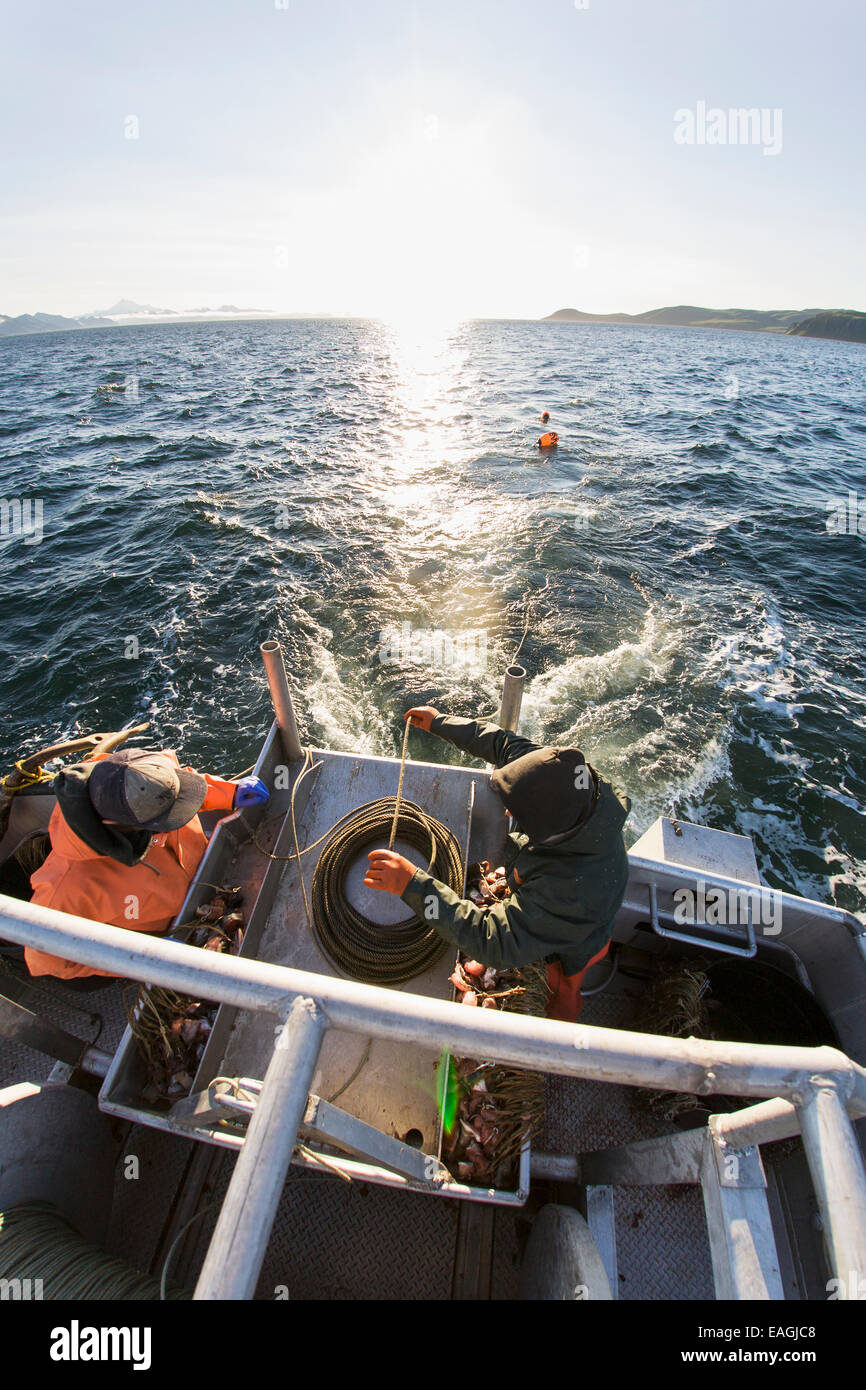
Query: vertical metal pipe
x: 512, y: 697
x: 839, y: 1179
x: 237, y: 1248
x: 281, y: 699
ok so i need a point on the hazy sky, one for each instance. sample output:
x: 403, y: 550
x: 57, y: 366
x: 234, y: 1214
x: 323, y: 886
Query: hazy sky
x: 469, y: 157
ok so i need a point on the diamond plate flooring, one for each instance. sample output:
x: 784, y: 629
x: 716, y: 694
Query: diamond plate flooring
x: 333, y: 1240
x: 662, y: 1245
x: 97, y: 1017
x: 345, y: 1241
x: 148, y: 1175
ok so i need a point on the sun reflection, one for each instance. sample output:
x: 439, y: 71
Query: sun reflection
x: 427, y: 354
x: 438, y: 516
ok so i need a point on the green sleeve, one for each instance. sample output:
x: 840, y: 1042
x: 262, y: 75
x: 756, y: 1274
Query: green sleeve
x: 498, y: 936
x: 481, y: 739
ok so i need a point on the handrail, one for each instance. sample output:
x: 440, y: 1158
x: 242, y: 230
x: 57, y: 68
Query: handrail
x: 642, y: 872
x: 826, y: 1087
x: 701, y: 1066
x: 728, y: 948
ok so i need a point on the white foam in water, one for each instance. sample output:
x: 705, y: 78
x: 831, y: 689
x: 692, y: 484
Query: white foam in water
x: 710, y: 530
x: 335, y: 710
x: 853, y: 875
x: 780, y: 841
x: 661, y: 770
x: 683, y: 791
x: 553, y: 696
x: 788, y: 758
x: 574, y: 511
x: 760, y: 666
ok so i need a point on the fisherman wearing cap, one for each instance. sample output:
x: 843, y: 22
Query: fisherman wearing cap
x: 566, y: 861
x: 126, y: 841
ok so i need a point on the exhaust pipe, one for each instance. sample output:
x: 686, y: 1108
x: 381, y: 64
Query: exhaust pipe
x: 281, y: 698
x: 512, y: 697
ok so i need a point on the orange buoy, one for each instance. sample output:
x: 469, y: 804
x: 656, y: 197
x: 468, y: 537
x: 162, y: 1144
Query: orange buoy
x: 548, y: 441
x: 545, y: 417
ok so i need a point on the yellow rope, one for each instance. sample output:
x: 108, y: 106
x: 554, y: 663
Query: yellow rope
x: 28, y: 778
x: 396, y: 819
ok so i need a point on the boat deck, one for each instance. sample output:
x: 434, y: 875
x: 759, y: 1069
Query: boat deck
x: 336, y: 1240
x: 333, y: 1238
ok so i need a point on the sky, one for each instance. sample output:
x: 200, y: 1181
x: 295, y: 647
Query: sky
x: 480, y: 158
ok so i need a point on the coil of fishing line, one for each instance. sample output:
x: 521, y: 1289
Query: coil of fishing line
x: 370, y: 951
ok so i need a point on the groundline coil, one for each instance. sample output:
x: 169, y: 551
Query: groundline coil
x: 359, y: 948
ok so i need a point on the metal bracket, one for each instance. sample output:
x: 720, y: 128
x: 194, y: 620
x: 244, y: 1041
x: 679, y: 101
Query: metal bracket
x: 740, y: 1231
x: 217, y: 1101
x: 331, y: 1125
x: 737, y: 1167
x: 708, y: 942
x: 322, y: 1121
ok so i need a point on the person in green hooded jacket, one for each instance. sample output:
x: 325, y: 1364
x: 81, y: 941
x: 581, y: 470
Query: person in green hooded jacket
x: 565, y: 859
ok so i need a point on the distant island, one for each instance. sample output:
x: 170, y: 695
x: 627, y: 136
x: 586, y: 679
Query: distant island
x: 126, y: 312
x: 846, y: 325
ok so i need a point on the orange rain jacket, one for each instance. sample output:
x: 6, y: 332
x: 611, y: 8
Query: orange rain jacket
x: 146, y: 896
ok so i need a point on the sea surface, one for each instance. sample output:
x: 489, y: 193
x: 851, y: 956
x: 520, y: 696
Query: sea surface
x: 371, y: 494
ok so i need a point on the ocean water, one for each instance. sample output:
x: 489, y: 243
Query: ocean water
x: 372, y: 496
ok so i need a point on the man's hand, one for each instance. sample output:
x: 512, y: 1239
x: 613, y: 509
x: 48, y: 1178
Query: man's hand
x: 388, y: 872
x: 250, y: 791
x: 422, y: 716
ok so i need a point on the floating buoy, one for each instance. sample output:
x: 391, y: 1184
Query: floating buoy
x: 548, y: 441
x: 545, y: 417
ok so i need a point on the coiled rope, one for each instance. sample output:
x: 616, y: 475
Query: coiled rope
x: 369, y: 951
x: 365, y: 950
x: 38, y: 1243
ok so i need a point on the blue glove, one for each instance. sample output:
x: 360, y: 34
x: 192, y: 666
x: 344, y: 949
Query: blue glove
x: 251, y: 791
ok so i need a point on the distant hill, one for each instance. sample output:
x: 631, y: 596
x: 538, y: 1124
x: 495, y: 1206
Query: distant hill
x: 835, y: 323
x: 46, y: 323
x: 126, y: 312
x: 847, y: 326
x: 127, y: 308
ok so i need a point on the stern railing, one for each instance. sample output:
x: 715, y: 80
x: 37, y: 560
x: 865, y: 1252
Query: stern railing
x: 816, y: 1091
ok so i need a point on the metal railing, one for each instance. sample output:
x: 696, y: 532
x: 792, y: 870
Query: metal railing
x: 816, y: 1091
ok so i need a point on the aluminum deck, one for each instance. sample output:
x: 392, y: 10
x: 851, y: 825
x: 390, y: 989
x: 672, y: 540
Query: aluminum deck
x: 333, y: 1240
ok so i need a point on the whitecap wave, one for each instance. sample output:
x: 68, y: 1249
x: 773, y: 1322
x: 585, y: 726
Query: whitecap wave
x: 335, y: 711
x: 759, y: 664
x: 550, y: 699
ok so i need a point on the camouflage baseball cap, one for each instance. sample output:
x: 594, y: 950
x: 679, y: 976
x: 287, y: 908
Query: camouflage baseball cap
x: 136, y: 787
